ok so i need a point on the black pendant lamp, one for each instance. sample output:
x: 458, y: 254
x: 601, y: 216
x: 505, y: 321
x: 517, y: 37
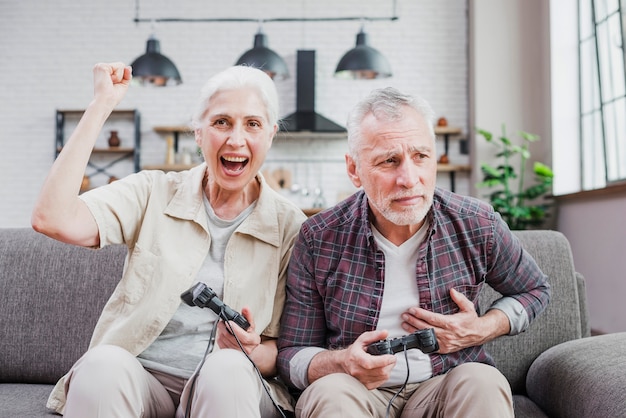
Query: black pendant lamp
x: 263, y: 58
x: 363, y: 62
x: 153, y: 68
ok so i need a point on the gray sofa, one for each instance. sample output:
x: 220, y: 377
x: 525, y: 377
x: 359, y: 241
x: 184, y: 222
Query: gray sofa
x: 51, y: 295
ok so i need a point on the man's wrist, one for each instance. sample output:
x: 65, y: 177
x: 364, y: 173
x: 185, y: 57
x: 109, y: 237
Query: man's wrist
x: 325, y: 363
x: 496, y: 324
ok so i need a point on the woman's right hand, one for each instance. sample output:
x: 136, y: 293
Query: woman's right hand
x: 111, y: 82
x: 58, y: 212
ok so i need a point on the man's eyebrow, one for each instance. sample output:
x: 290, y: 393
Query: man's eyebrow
x: 422, y: 148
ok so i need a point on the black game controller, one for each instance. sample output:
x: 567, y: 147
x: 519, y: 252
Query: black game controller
x: 202, y: 296
x: 424, y: 339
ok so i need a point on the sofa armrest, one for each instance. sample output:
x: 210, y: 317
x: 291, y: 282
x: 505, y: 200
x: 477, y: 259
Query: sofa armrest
x: 585, y: 327
x: 581, y: 378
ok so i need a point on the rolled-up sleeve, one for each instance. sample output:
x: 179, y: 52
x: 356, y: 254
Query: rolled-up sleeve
x: 515, y: 274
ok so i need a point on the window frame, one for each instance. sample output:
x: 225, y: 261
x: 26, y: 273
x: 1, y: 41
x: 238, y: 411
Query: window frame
x: 602, y: 93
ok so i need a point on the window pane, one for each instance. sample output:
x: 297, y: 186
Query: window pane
x: 599, y: 8
x: 604, y: 8
x: 593, y: 152
x: 615, y: 132
x: 584, y: 10
x: 611, y: 58
x: 590, y: 97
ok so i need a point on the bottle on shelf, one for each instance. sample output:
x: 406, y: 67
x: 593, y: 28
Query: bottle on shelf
x: 170, y: 153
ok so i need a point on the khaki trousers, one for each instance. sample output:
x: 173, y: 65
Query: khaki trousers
x: 108, y: 382
x: 469, y: 390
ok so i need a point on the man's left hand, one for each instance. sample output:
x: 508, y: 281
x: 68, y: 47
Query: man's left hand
x: 460, y: 330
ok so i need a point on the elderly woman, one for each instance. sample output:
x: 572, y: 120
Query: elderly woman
x: 218, y: 224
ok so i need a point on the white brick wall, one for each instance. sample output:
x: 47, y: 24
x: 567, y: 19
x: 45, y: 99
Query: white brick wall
x: 49, y: 47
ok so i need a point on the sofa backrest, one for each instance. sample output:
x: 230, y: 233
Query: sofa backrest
x: 564, y: 319
x: 51, y: 295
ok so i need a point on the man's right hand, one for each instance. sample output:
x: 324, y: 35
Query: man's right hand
x: 371, y: 371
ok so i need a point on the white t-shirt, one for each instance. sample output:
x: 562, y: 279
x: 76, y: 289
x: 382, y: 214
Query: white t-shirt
x: 400, y: 294
x: 182, y: 344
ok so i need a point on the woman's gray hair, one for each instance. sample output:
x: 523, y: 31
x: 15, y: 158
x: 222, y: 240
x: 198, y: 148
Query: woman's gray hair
x: 239, y: 76
x: 384, y: 104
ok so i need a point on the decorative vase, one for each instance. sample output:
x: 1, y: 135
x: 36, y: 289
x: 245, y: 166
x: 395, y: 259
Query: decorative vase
x: 114, y: 140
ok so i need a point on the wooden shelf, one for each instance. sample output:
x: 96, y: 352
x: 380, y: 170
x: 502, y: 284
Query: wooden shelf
x: 447, y: 130
x: 109, y: 156
x: 450, y: 168
x: 78, y: 112
x: 173, y: 129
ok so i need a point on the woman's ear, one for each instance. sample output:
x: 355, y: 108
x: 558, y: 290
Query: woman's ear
x: 274, y: 132
x: 198, y: 136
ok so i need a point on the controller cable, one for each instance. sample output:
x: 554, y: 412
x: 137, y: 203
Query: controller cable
x: 208, y: 350
x: 408, y: 373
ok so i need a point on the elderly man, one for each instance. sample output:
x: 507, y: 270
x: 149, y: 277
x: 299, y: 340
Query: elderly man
x: 398, y: 256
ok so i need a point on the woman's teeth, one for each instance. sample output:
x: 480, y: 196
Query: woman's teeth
x: 234, y: 163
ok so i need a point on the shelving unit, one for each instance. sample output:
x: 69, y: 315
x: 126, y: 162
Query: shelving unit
x: 112, y: 155
x: 174, y: 130
x: 448, y: 132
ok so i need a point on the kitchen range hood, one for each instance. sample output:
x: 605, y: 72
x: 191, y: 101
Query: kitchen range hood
x: 305, y: 119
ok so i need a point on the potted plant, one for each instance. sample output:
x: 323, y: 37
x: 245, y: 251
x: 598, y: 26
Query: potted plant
x: 520, y: 206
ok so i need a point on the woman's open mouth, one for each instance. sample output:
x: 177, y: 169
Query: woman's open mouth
x: 234, y: 164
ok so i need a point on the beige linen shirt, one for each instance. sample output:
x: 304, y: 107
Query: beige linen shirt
x: 162, y: 219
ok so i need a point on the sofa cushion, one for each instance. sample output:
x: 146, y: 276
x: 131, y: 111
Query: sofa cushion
x: 19, y: 400
x: 581, y: 378
x: 561, y: 321
x: 51, y: 295
x: 525, y: 408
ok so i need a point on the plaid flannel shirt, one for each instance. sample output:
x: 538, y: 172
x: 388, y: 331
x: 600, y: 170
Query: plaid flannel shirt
x: 335, y: 280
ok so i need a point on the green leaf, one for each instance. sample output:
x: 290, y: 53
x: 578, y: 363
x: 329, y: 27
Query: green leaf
x: 508, y: 196
x: 535, y: 191
x: 508, y: 170
x: 516, y: 149
x: 528, y: 136
x: 491, y: 182
x: 490, y: 171
x: 542, y: 170
x: 487, y: 135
